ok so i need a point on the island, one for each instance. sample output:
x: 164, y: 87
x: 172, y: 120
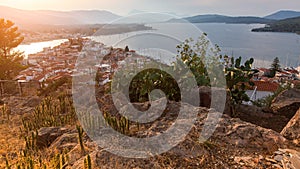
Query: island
x: 286, y: 25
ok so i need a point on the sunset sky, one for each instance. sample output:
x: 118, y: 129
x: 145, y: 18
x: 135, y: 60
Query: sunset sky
x: 187, y: 7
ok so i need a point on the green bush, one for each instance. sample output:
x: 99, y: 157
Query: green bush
x: 148, y: 80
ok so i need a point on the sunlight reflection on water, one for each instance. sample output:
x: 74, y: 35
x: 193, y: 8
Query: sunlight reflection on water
x: 38, y: 46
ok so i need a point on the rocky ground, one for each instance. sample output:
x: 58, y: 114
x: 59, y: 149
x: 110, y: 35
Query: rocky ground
x: 234, y: 144
x: 10, y: 123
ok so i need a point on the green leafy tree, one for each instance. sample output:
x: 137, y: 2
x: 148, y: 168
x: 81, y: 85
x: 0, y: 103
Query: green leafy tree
x: 148, y: 80
x: 275, y: 66
x: 205, y: 63
x: 198, y: 56
x: 10, y: 59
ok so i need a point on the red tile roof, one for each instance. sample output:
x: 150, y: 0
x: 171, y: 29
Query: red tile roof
x: 266, y: 86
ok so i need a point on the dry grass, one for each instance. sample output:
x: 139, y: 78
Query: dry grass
x: 10, y: 142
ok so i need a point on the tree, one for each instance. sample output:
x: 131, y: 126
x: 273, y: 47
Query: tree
x: 201, y: 60
x: 126, y: 49
x: 10, y: 59
x: 275, y: 66
x: 197, y: 56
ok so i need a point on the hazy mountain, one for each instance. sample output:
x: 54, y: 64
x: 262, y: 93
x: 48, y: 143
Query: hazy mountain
x: 49, y: 17
x: 283, y: 15
x: 135, y: 11
x: 213, y: 18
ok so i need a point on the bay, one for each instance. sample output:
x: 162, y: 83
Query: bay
x: 233, y: 39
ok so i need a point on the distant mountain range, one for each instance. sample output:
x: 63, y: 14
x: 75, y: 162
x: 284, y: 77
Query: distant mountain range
x: 49, y: 17
x: 82, y: 17
x: 283, y: 15
x: 224, y: 19
x: 214, y: 18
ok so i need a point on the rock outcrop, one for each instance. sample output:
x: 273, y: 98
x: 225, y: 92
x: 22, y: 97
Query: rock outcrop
x: 21, y: 105
x: 242, y: 134
x: 216, y: 98
x: 32, y: 102
x: 287, y: 103
x: 284, y: 158
x: 276, y: 117
x: 292, y: 130
x: 233, y: 142
x: 47, y: 135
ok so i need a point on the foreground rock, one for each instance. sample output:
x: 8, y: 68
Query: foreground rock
x: 234, y: 144
x: 285, y: 158
x: 216, y: 98
x: 32, y: 102
x: 241, y: 134
x: 287, y: 103
x: 292, y: 130
x: 21, y: 105
x: 262, y: 117
x: 47, y: 135
x: 276, y: 117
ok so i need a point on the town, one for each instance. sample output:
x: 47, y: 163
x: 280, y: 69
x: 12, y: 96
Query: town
x: 58, y: 62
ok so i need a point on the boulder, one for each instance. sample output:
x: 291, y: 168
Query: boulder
x: 32, y: 102
x: 47, y: 135
x: 261, y: 117
x: 216, y: 98
x: 238, y: 133
x: 286, y: 103
x: 292, y: 130
x: 65, y: 142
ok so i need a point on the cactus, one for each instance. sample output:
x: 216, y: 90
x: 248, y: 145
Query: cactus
x: 121, y: 125
x: 87, y: 162
x: 238, y: 77
x: 63, y: 163
x: 8, y: 166
x: 80, y: 136
x: 6, y: 111
x: 51, y: 112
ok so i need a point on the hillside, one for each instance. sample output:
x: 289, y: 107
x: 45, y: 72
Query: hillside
x: 287, y: 25
x: 224, y: 19
x: 48, y: 17
x: 283, y: 15
x: 52, y: 141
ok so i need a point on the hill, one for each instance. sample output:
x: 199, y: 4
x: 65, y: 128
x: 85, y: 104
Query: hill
x: 213, y: 18
x: 283, y: 15
x: 286, y: 25
x: 49, y: 17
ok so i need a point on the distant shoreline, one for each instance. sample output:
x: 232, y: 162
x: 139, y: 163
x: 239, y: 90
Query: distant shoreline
x: 291, y: 25
x: 273, y: 31
x: 84, y: 30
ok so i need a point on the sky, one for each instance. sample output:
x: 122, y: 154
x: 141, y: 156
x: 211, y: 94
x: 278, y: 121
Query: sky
x: 180, y: 7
